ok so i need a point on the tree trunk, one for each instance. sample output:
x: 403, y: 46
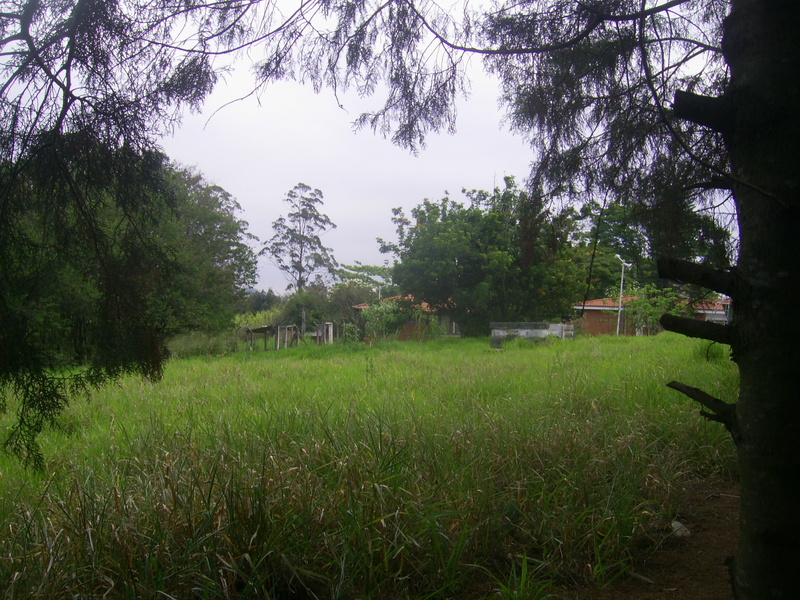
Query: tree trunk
x: 762, y: 48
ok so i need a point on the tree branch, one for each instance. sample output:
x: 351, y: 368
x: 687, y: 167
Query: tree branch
x: 716, y: 113
x: 714, y: 183
x: 721, y: 411
x: 698, y: 329
x: 645, y: 12
x: 590, y: 26
x: 684, y: 271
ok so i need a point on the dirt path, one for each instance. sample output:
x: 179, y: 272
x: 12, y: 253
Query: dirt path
x: 691, y: 568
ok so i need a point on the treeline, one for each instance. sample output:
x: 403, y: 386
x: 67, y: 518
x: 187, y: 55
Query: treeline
x: 507, y: 256
x: 106, y: 253
x: 501, y: 256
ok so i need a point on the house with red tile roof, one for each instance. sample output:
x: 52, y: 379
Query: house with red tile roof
x: 599, y: 317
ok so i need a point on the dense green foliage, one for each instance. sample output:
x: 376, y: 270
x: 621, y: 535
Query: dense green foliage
x: 345, y: 296
x: 209, y: 244
x: 501, y: 258
x: 85, y: 87
x: 100, y: 283
x: 505, y: 257
x: 259, y: 300
x: 383, y: 319
x: 639, y: 236
x: 79, y: 281
x: 400, y: 470
x: 650, y: 303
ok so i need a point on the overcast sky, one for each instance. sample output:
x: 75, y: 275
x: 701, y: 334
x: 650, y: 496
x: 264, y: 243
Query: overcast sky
x: 259, y: 149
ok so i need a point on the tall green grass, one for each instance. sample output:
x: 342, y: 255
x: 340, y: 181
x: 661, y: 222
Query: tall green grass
x: 436, y: 470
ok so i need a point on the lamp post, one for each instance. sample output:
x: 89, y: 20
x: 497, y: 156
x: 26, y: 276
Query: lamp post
x: 621, y: 288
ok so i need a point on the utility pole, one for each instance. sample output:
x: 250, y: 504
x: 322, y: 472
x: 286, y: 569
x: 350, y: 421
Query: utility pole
x: 621, y: 289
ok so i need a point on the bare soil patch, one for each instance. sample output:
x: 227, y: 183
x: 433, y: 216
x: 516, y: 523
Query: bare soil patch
x: 690, y: 568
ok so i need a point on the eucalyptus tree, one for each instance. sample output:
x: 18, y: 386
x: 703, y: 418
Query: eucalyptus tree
x: 296, y: 246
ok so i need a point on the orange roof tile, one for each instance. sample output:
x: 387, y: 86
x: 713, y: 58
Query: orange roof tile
x: 720, y: 305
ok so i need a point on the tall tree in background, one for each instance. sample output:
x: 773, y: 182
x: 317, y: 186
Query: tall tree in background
x: 296, y: 248
x: 208, y: 245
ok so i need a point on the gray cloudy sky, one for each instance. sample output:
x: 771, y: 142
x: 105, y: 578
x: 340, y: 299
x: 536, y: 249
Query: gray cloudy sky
x: 259, y: 149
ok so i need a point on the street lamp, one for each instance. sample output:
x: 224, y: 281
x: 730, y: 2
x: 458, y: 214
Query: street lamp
x: 621, y: 288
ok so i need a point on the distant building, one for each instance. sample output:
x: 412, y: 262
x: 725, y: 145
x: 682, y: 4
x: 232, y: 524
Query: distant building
x: 600, y: 316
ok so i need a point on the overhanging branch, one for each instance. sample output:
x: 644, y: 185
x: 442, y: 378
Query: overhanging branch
x: 683, y: 271
x: 721, y: 411
x: 714, y: 183
x: 706, y: 330
x: 596, y: 20
x: 715, y: 112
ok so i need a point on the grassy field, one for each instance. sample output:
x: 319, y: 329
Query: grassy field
x: 436, y: 470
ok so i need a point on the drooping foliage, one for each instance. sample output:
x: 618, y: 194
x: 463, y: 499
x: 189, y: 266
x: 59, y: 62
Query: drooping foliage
x: 579, y: 80
x: 78, y: 275
x: 90, y: 291
x: 84, y: 86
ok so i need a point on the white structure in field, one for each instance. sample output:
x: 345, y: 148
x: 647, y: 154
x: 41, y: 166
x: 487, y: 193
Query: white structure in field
x: 529, y: 331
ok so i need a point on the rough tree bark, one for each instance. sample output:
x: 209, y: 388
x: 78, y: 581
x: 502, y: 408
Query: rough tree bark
x: 760, y: 119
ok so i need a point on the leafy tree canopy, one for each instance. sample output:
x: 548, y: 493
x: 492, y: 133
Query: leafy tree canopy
x: 496, y: 259
x: 375, y: 276
x: 639, y: 238
x: 308, y: 306
x: 257, y: 301
x: 646, y: 305
x: 345, y: 296
x: 210, y: 247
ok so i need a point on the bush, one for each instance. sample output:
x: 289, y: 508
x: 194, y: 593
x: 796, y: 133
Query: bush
x: 383, y: 319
